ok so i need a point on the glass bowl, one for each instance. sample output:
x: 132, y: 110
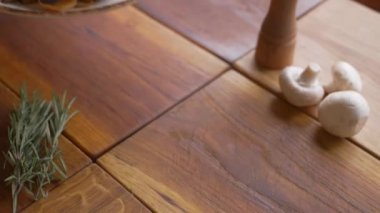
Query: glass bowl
x: 35, y: 9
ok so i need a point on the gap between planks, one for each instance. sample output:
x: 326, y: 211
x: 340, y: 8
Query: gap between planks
x: 193, y: 42
x: 126, y: 188
x: 235, y: 67
x: 2, y: 82
x: 183, y: 99
x: 230, y: 65
x: 85, y: 167
x: 56, y: 186
x: 267, y: 88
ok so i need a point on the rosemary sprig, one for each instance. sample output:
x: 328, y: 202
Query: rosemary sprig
x: 33, y: 134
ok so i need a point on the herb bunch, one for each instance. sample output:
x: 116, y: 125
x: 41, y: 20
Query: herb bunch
x: 33, y: 134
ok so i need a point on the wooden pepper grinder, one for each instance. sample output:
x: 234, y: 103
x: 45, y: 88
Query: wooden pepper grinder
x: 277, y: 39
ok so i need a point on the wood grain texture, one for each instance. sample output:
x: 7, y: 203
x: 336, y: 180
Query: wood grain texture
x: 325, y: 37
x: 234, y: 147
x: 227, y: 28
x: 75, y: 159
x: 374, y: 4
x: 123, y: 67
x: 91, y: 190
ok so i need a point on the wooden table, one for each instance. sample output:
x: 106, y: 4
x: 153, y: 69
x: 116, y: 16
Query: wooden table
x: 175, y: 116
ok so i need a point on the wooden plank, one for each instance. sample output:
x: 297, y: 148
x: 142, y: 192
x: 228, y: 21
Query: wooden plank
x: 75, y: 159
x: 227, y: 28
x: 123, y: 67
x: 91, y: 190
x: 374, y: 4
x: 234, y: 147
x: 338, y: 30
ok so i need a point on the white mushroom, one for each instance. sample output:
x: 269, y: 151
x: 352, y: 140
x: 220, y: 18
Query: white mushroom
x: 301, y: 86
x: 345, y: 77
x: 343, y: 113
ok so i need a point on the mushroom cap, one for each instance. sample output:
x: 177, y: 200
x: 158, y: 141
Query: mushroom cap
x: 345, y: 77
x: 343, y: 113
x: 298, y: 93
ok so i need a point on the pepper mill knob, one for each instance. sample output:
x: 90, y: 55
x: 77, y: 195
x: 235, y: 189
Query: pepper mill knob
x: 277, y: 38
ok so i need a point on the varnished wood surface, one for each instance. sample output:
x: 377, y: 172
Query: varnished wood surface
x: 74, y: 158
x: 91, y: 190
x: 123, y: 67
x: 231, y: 147
x: 227, y: 28
x: 234, y: 147
x: 374, y: 4
x: 326, y: 37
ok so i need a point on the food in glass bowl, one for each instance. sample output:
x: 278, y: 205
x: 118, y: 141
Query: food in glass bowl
x: 37, y: 7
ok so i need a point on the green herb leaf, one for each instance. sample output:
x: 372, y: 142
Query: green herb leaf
x: 33, y: 134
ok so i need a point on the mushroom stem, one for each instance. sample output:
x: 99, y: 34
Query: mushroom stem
x: 300, y: 86
x: 309, y: 77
